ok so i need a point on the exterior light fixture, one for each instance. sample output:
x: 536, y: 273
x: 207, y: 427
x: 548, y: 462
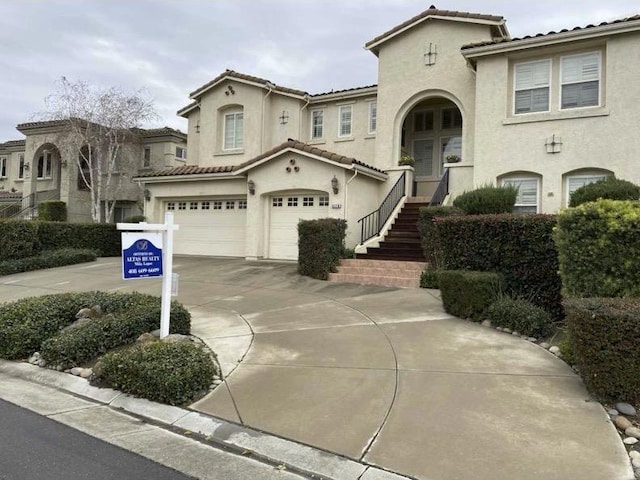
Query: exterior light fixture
x: 26, y: 166
x: 554, y: 144
x: 63, y: 164
x: 147, y: 194
x: 251, y: 185
x: 334, y: 184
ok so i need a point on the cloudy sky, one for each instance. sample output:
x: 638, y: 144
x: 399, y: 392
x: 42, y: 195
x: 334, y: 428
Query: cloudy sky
x: 171, y: 47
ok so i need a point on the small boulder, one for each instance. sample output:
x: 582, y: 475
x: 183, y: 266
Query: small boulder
x: 622, y: 422
x: 486, y: 323
x: 97, y: 369
x: 613, y: 412
x: 76, y: 324
x: 156, y: 333
x: 626, y: 409
x: 76, y: 371
x: 545, y: 345
x: 507, y: 330
x: 86, y: 372
x: 630, y: 441
x: 555, y: 350
x: 632, y: 432
x: 146, y: 338
x: 42, y: 363
x: 634, y: 454
x: 176, y: 338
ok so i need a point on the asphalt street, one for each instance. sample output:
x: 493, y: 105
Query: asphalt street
x: 33, y: 446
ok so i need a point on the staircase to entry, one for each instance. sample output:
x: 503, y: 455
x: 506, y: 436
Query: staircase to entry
x: 398, y: 261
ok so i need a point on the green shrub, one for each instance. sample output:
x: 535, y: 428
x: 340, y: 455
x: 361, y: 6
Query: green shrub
x: 135, y: 219
x: 610, y: 188
x: 80, y: 345
x: 54, y: 258
x: 599, y: 249
x: 429, y: 279
x: 52, y: 211
x: 520, y: 247
x: 467, y: 294
x: 428, y: 233
x: 173, y: 373
x: 320, y: 246
x: 488, y: 199
x: 26, y: 323
x: 521, y: 316
x: 18, y: 239
x: 604, y: 336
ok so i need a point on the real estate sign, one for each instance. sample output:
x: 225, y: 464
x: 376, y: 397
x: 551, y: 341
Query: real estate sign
x: 141, y: 255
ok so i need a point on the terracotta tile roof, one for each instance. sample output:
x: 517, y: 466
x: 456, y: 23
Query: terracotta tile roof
x: 186, y: 170
x: 44, y: 123
x: 13, y: 143
x: 304, y: 147
x: 8, y: 195
x: 549, y: 34
x: 152, y: 132
x: 432, y: 11
x: 184, y: 110
x: 346, y: 90
x: 250, y: 78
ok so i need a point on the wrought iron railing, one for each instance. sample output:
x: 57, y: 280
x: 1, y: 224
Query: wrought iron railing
x: 371, y: 225
x: 442, y: 191
x: 29, y: 208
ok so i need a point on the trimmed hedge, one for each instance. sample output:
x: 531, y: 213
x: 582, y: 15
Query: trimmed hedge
x: 26, y: 323
x: 521, y: 316
x: 18, y: 239
x: 467, y: 294
x: 604, y: 335
x: 428, y: 234
x: 173, y: 373
x: 51, y: 259
x: 135, y: 219
x: 599, y: 249
x: 429, y: 279
x: 488, y: 199
x: 52, y: 211
x: 520, y: 247
x: 320, y: 246
x: 610, y: 188
x: 82, y: 344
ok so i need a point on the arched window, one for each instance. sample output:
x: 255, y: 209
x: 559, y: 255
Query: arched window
x: 579, y: 178
x: 528, y: 185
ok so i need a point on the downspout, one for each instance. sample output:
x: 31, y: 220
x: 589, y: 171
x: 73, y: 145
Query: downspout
x: 346, y: 192
x: 307, y: 99
x: 270, y: 86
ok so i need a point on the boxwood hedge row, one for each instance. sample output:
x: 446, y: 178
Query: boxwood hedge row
x: 468, y: 294
x: 50, y: 259
x: 320, y: 246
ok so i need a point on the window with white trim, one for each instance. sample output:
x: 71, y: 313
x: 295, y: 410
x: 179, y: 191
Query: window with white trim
x: 181, y: 153
x: 242, y: 204
x: 182, y: 205
x: 217, y: 205
x: 3, y: 167
x: 205, y: 205
x: 44, y: 165
x: 146, y: 158
x: 580, y: 80
x: 373, y: 117
x: 171, y: 205
x: 345, y: 120
x: 532, y: 86
x: 21, y: 166
x: 323, y: 201
x: 574, y: 182
x: 292, y: 202
x: 451, y: 118
x: 423, y: 121
x: 423, y: 157
x: 229, y: 205
x: 527, y: 200
x: 276, y: 202
x: 317, y: 124
x: 233, y: 130
x: 307, y: 201
x: 193, y: 205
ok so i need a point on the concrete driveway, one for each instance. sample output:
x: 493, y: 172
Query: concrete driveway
x: 377, y: 374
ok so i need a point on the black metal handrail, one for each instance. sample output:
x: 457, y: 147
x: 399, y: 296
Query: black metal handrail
x: 442, y: 191
x: 371, y: 225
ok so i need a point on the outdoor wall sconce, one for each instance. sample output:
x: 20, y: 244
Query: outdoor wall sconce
x: 430, y: 55
x: 334, y: 184
x: 26, y: 166
x: 63, y: 164
x: 198, y: 126
x: 554, y: 144
x: 251, y: 185
x: 284, y: 118
x: 147, y: 194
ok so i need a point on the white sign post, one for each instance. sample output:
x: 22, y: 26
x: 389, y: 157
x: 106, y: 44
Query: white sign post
x: 167, y: 230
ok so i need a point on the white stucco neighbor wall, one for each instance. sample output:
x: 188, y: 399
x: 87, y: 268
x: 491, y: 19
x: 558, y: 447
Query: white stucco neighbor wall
x: 604, y: 137
x: 404, y: 80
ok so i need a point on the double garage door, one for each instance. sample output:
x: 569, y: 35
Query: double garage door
x: 210, y: 227
x: 286, y: 212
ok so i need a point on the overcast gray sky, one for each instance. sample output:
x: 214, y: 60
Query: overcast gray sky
x: 171, y: 47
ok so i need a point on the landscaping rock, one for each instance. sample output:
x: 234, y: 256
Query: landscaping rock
x: 515, y: 333
x: 176, y: 338
x: 630, y: 441
x: 636, y: 462
x: 545, y: 345
x: 156, y: 333
x: 555, y: 350
x: 86, y: 372
x: 77, y: 323
x: 634, y: 454
x: 507, y: 330
x: 76, y: 371
x: 97, y: 369
x: 42, y: 363
x: 146, y: 338
x: 622, y: 422
x: 486, y: 323
x: 33, y: 359
x: 613, y: 412
x: 217, y: 382
x: 626, y: 409
x: 632, y: 432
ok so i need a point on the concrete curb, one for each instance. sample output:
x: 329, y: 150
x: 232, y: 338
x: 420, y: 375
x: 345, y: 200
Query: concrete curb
x: 294, y: 456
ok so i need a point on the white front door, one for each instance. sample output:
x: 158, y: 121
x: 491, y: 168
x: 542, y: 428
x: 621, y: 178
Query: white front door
x: 285, y: 213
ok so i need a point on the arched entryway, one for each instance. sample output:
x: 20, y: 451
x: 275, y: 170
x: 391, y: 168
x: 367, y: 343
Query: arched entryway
x: 45, y: 173
x: 431, y: 132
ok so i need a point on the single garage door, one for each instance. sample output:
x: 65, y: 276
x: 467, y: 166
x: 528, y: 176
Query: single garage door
x: 209, y: 227
x: 286, y: 211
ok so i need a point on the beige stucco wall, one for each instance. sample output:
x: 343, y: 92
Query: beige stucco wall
x: 404, y: 80
x: 598, y: 137
x: 13, y: 165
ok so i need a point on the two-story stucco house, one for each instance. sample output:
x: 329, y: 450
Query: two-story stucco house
x: 37, y: 168
x: 469, y: 103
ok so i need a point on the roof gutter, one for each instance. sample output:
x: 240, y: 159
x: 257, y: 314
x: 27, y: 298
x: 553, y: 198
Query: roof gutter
x: 186, y: 178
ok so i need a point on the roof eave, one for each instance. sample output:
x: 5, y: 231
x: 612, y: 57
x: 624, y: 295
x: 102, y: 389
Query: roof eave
x: 186, y: 178
x: 552, y: 39
x: 189, y: 108
x: 365, y: 92
x: 198, y: 93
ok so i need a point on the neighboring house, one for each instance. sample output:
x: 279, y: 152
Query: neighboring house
x: 37, y: 168
x: 470, y: 104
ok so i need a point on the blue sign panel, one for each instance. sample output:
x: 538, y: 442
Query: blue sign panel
x: 141, y: 255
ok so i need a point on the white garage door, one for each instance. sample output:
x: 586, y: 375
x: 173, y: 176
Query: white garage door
x: 286, y: 211
x: 209, y: 227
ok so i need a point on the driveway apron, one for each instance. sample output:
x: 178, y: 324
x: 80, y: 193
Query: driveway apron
x: 377, y: 374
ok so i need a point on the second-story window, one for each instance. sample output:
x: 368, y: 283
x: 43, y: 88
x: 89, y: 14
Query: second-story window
x: 580, y: 79
x: 181, y: 153
x: 373, y: 117
x: 233, y: 131
x: 3, y: 167
x: 21, y: 166
x: 317, y: 124
x: 146, y: 158
x: 345, y: 113
x: 532, y: 87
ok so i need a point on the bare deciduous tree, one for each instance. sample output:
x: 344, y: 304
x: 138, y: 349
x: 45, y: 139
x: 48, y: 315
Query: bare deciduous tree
x: 102, y: 133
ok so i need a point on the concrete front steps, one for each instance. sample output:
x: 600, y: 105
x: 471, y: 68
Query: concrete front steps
x: 387, y: 273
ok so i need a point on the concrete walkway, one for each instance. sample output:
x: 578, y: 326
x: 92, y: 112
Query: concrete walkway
x: 376, y: 374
